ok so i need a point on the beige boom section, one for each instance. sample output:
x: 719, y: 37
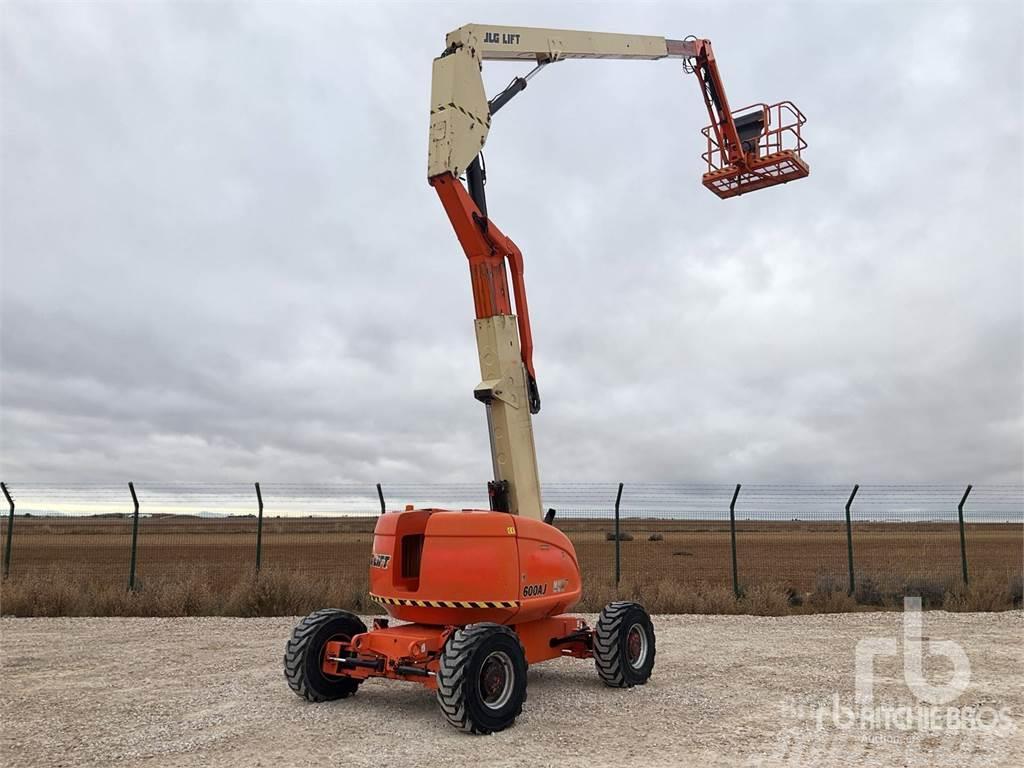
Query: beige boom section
x: 503, y: 390
x: 459, y: 113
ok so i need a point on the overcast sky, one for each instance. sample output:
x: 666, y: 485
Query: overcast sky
x: 222, y: 261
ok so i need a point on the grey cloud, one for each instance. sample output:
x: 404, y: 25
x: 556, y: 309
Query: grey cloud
x: 221, y: 260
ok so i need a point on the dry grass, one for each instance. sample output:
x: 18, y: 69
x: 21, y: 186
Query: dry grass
x: 798, y: 553
x: 187, y: 593
x: 988, y: 593
x: 289, y: 593
x: 195, y: 566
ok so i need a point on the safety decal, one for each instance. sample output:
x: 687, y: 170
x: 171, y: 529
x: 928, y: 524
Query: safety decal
x: 446, y: 603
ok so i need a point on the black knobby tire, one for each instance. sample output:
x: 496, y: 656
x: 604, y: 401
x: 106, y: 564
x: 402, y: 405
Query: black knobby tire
x: 303, y: 655
x: 624, y: 645
x: 481, y: 679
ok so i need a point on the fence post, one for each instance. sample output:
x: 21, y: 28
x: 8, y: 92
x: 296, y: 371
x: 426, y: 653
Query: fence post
x: 849, y: 537
x: 963, y: 539
x: 135, y: 538
x: 10, y: 530
x: 259, y: 528
x: 732, y: 534
x: 380, y: 495
x: 618, y: 543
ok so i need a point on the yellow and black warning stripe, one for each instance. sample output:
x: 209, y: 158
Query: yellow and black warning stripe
x: 446, y: 603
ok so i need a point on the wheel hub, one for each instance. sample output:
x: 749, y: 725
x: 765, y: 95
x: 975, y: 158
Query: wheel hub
x: 636, y: 646
x: 497, y: 678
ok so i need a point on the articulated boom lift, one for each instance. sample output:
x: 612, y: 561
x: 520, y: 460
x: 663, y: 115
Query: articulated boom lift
x: 484, y: 593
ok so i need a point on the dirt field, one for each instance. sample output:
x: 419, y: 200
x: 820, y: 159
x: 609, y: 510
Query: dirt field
x: 726, y: 691
x: 794, y: 554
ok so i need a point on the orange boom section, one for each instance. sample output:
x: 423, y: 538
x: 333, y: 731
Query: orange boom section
x: 438, y: 567
x: 750, y: 148
x: 488, y: 250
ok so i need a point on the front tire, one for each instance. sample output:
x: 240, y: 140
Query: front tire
x: 624, y: 645
x: 481, y: 680
x: 303, y: 655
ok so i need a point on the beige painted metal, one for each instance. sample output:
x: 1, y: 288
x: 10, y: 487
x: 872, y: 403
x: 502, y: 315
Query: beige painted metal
x: 497, y: 42
x: 503, y: 390
x: 459, y: 114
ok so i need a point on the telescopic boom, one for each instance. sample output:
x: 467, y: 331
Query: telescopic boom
x: 746, y: 149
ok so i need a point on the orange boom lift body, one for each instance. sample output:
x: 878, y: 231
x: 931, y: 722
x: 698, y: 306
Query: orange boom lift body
x: 482, y: 594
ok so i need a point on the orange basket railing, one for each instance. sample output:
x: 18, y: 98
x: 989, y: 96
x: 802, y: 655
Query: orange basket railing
x: 772, y: 157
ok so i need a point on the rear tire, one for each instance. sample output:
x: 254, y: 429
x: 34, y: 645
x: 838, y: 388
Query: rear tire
x: 481, y: 680
x: 624, y: 645
x: 303, y: 655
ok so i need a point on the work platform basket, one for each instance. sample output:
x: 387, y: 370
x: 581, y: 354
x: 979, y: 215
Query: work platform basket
x: 771, y: 140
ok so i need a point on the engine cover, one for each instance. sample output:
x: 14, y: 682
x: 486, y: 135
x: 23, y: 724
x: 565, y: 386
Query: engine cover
x: 440, y: 567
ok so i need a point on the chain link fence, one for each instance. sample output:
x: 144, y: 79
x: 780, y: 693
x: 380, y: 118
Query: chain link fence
x: 865, y: 541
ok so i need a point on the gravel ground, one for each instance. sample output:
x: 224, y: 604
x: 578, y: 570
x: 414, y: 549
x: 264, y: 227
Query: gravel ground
x: 727, y: 690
